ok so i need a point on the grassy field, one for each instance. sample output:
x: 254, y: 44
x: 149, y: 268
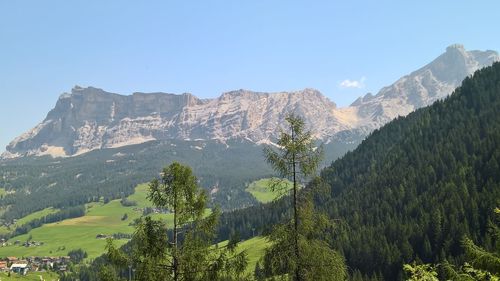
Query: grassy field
x: 26, y: 219
x: 61, y: 237
x: 261, y: 189
x: 36, y: 215
x: 255, y: 250
x: 31, y: 276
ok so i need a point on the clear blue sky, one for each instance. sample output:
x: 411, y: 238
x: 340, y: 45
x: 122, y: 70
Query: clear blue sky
x: 209, y: 47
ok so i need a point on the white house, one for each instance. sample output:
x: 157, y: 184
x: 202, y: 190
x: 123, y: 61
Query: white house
x: 21, y: 268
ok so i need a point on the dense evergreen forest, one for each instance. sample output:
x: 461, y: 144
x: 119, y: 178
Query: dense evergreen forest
x: 413, y: 189
x: 35, y: 183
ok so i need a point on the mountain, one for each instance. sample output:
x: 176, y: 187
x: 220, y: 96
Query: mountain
x: 413, y: 189
x: 422, y: 87
x: 90, y: 118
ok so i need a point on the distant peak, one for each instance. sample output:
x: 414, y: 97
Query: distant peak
x: 65, y: 95
x: 77, y: 88
x: 455, y: 47
x: 311, y: 91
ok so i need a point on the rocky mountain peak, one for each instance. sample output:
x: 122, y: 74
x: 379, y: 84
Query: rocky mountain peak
x: 90, y: 118
x: 424, y: 86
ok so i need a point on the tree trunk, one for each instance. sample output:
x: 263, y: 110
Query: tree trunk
x: 295, y: 215
x: 175, y: 259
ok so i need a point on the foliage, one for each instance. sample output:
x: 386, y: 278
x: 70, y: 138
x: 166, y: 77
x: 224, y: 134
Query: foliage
x: 77, y: 255
x: 481, y: 265
x: 317, y: 260
x: 186, y: 254
x: 127, y: 203
x: 422, y: 272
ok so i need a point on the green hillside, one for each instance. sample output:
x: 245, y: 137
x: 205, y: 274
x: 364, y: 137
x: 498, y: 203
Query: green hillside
x: 26, y: 219
x: 60, y: 237
x: 414, y: 188
x: 261, y: 189
x: 254, y: 247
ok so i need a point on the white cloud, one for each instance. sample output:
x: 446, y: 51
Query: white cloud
x: 358, y: 84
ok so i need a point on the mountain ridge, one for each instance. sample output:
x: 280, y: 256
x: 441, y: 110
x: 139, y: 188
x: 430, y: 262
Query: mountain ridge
x: 91, y: 118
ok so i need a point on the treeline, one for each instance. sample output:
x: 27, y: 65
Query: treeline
x: 68, y: 213
x: 413, y: 189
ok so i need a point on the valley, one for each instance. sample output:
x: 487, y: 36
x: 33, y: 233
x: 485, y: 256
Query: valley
x: 407, y: 175
x: 100, y: 221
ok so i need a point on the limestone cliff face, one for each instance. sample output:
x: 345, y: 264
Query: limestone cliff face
x: 89, y: 118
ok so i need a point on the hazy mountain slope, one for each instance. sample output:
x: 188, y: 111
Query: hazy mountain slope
x: 89, y: 118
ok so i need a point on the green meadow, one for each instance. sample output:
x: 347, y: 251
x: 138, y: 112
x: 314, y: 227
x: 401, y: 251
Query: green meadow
x: 61, y: 237
x: 31, y: 276
x: 255, y: 248
x: 262, y: 189
x: 26, y: 219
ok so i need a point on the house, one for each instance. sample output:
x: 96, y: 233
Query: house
x: 11, y: 260
x: 20, y: 268
x: 62, y: 268
x: 47, y: 263
x: 4, y: 266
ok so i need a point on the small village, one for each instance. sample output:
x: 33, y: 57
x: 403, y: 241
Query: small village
x: 23, y: 265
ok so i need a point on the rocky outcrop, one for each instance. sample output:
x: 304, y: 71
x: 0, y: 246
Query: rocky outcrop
x: 90, y: 118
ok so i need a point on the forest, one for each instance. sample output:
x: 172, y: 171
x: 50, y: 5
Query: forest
x: 412, y: 189
x: 35, y: 183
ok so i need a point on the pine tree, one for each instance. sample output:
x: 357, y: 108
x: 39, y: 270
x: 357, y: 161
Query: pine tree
x: 481, y: 265
x: 178, y: 191
x: 189, y: 253
x: 296, y: 251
